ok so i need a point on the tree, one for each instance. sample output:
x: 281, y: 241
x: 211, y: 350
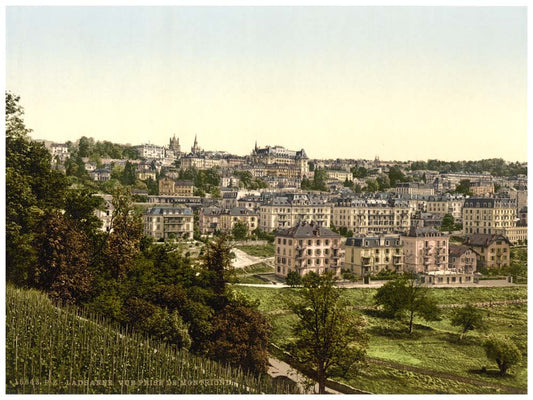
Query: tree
x: 503, y: 351
x: 122, y: 244
x: 218, y: 269
x: 293, y: 279
x: 328, y: 336
x: 468, y: 318
x: 405, y: 295
x: 128, y: 174
x: 463, y: 187
x: 240, y: 230
x: 240, y: 337
x: 63, y: 257
x: 32, y: 188
x: 371, y: 186
x: 448, y: 223
x: 320, y: 179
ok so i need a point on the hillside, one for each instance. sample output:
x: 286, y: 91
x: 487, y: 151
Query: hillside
x: 65, y: 350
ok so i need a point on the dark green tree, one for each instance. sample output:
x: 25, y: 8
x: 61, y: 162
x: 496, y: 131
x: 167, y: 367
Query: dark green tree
x: 240, y: 230
x: 320, y: 179
x: 218, y: 269
x: 504, y: 351
x: 128, y: 174
x: 328, y: 337
x: 63, y: 258
x: 240, y: 337
x: 468, y: 318
x: 448, y: 223
x: 404, y: 295
x: 293, y: 279
x: 464, y: 187
x: 32, y: 188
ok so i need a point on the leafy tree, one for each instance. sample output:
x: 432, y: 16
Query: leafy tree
x: 371, y: 186
x: 404, y: 295
x: 396, y: 175
x: 320, y: 180
x: 62, y: 267
x: 85, y: 146
x: 468, y: 318
x: 359, y: 172
x: 240, y: 230
x: 503, y: 351
x: 240, y: 337
x: 216, y: 261
x: 463, y: 187
x: 293, y: 279
x: 448, y: 223
x: 32, y: 188
x: 128, y: 174
x: 383, y: 182
x: 122, y: 244
x: 306, y: 184
x: 328, y: 337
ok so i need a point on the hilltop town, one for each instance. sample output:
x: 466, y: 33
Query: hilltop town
x: 373, y: 216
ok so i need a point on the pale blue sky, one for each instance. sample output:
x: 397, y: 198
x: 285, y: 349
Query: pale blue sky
x: 341, y: 82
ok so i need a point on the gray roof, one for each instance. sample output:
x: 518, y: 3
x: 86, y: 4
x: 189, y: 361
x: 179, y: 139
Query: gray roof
x: 484, y: 240
x: 168, y: 210
x: 308, y: 230
x: 373, y: 241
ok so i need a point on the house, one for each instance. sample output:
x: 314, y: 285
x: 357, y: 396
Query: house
x: 228, y: 218
x: 425, y: 250
x: 164, y: 222
x: 307, y: 247
x: 100, y: 174
x: 172, y: 187
x: 493, y: 250
x: 368, y: 255
x: 462, y: 258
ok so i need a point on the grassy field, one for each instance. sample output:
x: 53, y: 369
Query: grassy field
x: 437, y: 358
x: 258, y: 250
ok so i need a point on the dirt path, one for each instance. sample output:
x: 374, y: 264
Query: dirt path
x: 508, y: 389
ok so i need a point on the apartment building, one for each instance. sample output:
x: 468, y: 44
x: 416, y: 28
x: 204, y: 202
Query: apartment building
x: 149, y: 151
x: 425, y: 250
x: 493, y: 250
x: 281, y: 156
x: 371, y: 216
x: 307, y: 247
x: 462, y: 258
x: 488, y: 215
x: 166, y: 222
x: 414, y: 188
x: 368, y: 255
x: 446, y: 204
x: 285, y: 210
x: 228, y: 218
x: 172, y: 187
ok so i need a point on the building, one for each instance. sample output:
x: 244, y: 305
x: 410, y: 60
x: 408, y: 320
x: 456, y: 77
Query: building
x: 425, y: 250
x: 481, y: 189
x: 166, y: 222
x: 446, y: 204
x: 285, y: 210
x: 462, y: 258
x: 307, y: 247
x: 414, y: 188
x: 493, y: 250
x: 209, y: 220
x: 371, y: 216
x: 100, y: 174
x: 174, y: 146
x: 151, y: 151
x: 368, y: 255
x: 228, y: 219
x: 59, y: 152
x: 488, y: 215
x: 281, y: 156
x: 171, y: 187
x: 106, y: 214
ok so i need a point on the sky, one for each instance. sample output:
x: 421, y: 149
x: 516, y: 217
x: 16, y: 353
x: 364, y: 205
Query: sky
x: 400, y: 83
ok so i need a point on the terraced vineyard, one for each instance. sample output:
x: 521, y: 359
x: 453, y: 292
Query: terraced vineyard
x: 58, y: 350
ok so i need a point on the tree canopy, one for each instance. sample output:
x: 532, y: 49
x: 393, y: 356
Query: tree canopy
x: 329, y: 338
x: 404, y: 295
